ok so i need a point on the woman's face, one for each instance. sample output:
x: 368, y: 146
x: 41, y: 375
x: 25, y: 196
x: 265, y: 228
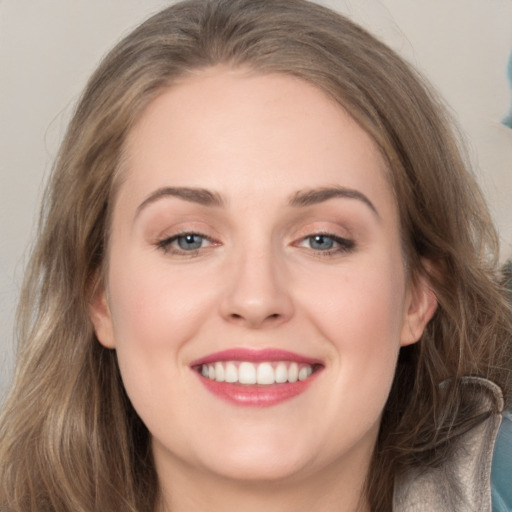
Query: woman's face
x: 256, y: 293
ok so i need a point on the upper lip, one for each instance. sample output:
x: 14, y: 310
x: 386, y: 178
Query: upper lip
x: 255, y: 356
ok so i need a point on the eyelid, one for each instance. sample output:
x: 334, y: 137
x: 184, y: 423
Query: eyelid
x: 165, y: 243
x: 341, y: 241
x: 344, y: 241
x: 167, y: 227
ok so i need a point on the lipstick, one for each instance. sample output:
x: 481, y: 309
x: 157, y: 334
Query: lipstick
x: 256, y: 377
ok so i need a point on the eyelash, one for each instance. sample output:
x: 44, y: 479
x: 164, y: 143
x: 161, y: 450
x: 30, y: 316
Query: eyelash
x: 341, y: 245
x: 166, y: 244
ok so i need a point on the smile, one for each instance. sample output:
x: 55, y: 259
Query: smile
x: 262, y: 378
x: 264, y: 374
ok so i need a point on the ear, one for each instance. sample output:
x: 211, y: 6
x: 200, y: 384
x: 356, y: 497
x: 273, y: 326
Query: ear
x: 99, y: 313
x: 420, y: 308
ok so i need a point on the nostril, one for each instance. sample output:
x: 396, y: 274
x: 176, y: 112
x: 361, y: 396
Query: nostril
x: 237, y: 317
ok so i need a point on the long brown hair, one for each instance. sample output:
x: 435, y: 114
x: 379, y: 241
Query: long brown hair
x: 69, y: 437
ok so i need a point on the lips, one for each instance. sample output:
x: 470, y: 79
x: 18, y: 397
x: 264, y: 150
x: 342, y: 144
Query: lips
x: 256, y: 377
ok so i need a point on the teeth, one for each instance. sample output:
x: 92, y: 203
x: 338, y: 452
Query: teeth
x: 293, y: 372
x: 281, y: 373
x: 219, y: 372
x: 303, y: 373
x: 231, y: 373
x: 264, y: 374
x: 246, y: 373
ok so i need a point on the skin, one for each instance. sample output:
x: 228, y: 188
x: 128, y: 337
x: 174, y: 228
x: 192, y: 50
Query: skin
x: 257, y: 281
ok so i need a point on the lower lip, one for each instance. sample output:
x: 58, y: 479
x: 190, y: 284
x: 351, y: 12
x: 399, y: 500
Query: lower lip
x: 254, y: 395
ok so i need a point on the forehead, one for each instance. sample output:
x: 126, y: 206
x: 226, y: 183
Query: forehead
x: 258, y: 135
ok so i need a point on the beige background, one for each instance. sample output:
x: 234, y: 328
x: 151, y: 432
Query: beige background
x: 48, y: 49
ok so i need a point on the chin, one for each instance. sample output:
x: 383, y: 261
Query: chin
x: 250, y: 458
x: 262, y: 468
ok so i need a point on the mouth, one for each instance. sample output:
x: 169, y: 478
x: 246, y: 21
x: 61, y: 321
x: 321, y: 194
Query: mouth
x: 260, y: 378
x: 263, y: 374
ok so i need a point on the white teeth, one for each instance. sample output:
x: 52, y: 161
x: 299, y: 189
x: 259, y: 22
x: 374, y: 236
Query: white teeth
x: 264, y: 374
x: 231, y: 373
x: 246, y: 373
x: 293, y: 372
x: 281, y: 373
x: 303, y: 373
x: 219, y: 372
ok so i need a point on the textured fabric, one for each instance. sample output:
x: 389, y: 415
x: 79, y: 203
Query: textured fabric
x: 501, y: 473
x: 462, y: 484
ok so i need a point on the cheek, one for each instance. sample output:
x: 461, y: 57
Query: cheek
x: 153, y: 307
x: 362, y: 306
x: 361, y: 315
x: 154, y: 315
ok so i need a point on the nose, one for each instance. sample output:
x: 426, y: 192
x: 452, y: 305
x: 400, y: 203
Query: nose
x: 257, y: 292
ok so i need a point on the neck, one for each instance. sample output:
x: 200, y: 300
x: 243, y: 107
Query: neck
x: 332, y: 490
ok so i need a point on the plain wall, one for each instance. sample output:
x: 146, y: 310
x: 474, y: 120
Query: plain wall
x: 48, y: 49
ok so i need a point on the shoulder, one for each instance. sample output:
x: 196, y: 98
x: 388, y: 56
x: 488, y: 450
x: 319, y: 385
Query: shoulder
x: 461, y: 483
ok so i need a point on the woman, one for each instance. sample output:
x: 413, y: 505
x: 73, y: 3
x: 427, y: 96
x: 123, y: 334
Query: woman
x: 264, y: 279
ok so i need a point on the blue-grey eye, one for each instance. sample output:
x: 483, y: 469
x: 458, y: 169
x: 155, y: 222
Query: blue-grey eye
x: 189, y: 242
x: 321, y: 242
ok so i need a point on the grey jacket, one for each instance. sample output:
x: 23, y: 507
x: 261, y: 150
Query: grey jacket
x: 463, y: 483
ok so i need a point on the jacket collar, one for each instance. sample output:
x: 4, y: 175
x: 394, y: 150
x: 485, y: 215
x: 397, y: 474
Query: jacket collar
x: 462, y: 484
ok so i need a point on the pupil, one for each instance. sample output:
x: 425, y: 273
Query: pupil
x: 190, y: 242
x: 322, y: 242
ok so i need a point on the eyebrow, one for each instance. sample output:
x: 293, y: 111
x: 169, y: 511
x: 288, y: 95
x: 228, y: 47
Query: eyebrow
x: 300, y: 199
x: 200, y: 196
x: 314, y: 196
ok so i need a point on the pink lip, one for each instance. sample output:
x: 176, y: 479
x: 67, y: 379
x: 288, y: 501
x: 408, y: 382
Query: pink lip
x: 255, y: 356
x: 260, y: 396
x: 256, y: 395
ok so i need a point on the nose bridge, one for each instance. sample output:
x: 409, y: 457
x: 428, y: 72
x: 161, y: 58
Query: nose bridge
x: 256, y: 291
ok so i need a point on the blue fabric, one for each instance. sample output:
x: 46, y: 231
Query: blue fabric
x: 501, y: 473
